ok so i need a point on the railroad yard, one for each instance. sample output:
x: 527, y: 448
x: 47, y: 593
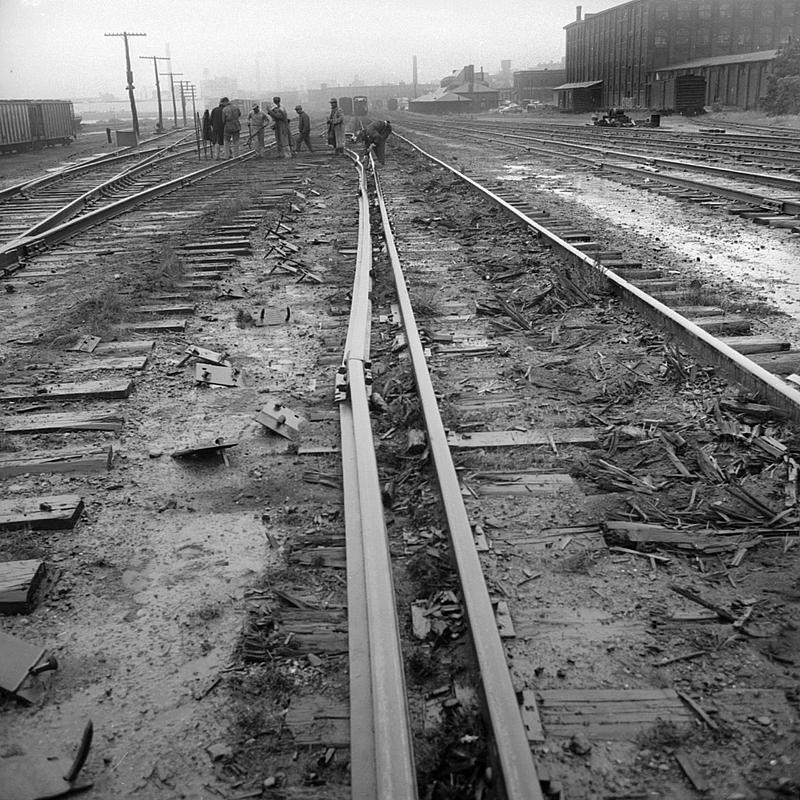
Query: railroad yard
x: 531, y: 387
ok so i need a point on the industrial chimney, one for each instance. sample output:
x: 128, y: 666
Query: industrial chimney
x: 578, y: 10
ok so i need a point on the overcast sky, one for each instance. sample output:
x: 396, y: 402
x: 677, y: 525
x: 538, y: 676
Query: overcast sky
x: 57, y: 48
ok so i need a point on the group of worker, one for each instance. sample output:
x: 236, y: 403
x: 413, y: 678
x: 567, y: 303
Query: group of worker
x: 222, y: 127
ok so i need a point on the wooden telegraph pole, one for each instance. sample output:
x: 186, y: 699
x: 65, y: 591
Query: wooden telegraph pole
x: 130, y: 87
x: 156, y: 59
x: 172, y: 92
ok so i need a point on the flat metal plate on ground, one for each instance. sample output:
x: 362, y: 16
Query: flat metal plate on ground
x: 52, y: 512
x: 86, y: 344
x: 19, y: 581
x: 280, y: 419
x: 202, y: 449
x: 210, y: 356
x: 16, y: 659
x: 217, y: 374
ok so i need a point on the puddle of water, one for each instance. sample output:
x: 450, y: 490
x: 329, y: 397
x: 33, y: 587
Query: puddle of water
x: 718, y: 246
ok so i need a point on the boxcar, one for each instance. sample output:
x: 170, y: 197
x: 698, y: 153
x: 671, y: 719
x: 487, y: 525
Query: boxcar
x: 32, y: 124
x: 360, y: 106
x: 346, y: 104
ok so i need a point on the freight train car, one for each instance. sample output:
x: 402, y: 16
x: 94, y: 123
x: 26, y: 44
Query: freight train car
x: 360, y: 106
x: 346, y: 104
x: 32, y: 124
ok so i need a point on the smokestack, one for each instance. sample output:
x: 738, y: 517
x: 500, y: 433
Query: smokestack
x: 578, y: 11
x: 415, y: 75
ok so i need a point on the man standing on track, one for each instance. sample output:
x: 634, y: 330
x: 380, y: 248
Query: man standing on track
x: 375, y: 136
x: 280, y: 122
x: 303, y: 130
x: 218, y: 128
x: 336, y: 127
x: 256, y: 123
x: 233, y: 128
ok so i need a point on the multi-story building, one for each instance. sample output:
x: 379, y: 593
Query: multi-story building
x: 537, y: 84
x: 620, y: 53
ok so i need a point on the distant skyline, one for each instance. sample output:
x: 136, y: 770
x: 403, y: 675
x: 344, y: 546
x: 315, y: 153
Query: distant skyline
x: 57, y: 48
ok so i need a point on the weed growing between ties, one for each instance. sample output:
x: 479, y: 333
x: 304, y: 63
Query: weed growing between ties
x: 95, y: 315
x: 167, y: 269
x: 427, y: 302
x: 244, y: 319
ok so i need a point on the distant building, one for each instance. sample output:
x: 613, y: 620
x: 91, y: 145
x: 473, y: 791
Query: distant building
x: 463, y: 92
x: 536, y: 85
x: 628, y: 55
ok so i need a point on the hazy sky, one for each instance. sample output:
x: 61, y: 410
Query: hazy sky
x: 56, y: 48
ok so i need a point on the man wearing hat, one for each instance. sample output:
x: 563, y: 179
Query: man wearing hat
x: 256, y: 124
x: 336, y: 127
x: 375, y: 136
x: 233, y: 129
x: 218, y: 128
x: 303, y: 129
x: 280, y: 122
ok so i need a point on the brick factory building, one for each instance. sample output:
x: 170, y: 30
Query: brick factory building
x: 640, y: 54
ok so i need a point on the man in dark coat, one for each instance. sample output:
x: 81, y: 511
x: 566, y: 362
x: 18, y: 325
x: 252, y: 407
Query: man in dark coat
x: 375, y: 136
x: 303, y: 129
x: 218, y: 128
x: 280, y: 122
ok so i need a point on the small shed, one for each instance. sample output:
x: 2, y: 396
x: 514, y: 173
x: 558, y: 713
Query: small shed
x: 579, y: 97
x: 440, y: 102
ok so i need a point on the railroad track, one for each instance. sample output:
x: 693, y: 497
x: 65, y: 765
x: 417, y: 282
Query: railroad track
x: 770, y: 199
x: 551, y: 388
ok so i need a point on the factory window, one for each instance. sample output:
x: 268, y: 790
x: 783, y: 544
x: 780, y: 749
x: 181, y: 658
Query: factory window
x: 682, y: 37
x: 767, y: 11
x: 723, y: 36
x: 683, y: 11
x: 744, y: 38
x: 789, y: 8
x: 661, y: 38
x: 662, y: 12
x: 747, y: 9
x: 765, y: 37
x: 703, y: 36
x: 786, y: 34
x: 704, y: 10
x: 725, y: 10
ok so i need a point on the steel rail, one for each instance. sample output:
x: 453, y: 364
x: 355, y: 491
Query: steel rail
x: 76, y: 169
x: 112, y: 184
x: 785, y: 205
x: 517, y: 769
x: 736, y: 366
x: 22, y: 247
x: 382, y: 759
x: 689, y: 166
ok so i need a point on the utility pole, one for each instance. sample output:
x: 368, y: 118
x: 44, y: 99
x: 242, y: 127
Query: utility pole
x: 184, y: 91
x: 156, y: 59
x: 172, y: 92
x: 130, y: 86
x: 191, y: 91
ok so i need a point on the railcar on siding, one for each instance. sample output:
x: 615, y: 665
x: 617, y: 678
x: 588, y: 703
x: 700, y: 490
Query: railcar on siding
x: 360, y: 106
x: 346, y: 104
x: 33, y: 124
